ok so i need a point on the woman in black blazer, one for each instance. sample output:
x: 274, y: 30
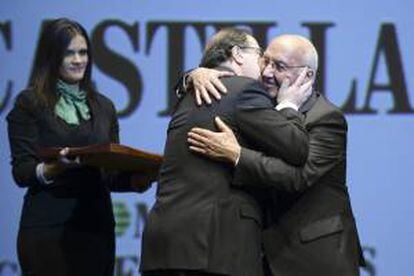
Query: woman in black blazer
x: 67, y: 224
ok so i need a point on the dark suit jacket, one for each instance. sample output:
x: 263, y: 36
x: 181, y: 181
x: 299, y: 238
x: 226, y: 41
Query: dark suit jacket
x: 78, y: 197
x: 198, y: 221
x: 313, y: 230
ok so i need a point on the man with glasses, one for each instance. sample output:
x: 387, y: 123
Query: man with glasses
x: 199, y: 224
x: 312, y: 230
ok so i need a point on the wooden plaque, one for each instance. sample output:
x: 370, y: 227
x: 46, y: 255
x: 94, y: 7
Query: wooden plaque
x: 110, y: 157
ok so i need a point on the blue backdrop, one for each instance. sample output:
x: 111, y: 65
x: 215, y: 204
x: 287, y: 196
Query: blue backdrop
x: 367, y: 68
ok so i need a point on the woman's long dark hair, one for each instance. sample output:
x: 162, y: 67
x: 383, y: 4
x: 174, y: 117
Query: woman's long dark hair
x: 55, y: 37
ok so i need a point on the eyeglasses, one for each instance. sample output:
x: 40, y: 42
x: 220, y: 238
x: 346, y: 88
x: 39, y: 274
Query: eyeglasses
x: 258, y: 50
x: 279, y: 65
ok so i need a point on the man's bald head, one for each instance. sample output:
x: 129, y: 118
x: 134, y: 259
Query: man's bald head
x: 285, y: 58
x: 298, y: 48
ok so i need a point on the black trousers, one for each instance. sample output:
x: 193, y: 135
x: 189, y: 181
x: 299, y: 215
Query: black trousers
x: 64, y: 251
x: 266, y: 267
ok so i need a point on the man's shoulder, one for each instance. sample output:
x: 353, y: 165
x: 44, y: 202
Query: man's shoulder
x: 240, y: 83
x: 324, y: 109
x: 324, y: 105
x: 247, y: 91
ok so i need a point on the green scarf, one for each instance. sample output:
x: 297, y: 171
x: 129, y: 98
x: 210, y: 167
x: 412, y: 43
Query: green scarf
x: 71, y: 104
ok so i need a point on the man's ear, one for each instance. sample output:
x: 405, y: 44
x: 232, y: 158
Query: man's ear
x: 236, y: 55
x: 310, y: 73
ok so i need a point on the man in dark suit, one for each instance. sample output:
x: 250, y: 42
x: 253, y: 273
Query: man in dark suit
x: 313, y: 231
x: 199, y: 224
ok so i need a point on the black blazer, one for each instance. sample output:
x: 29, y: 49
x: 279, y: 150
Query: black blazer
x: 78, y: 197
x: 313, y: 231
x: 198, y: 221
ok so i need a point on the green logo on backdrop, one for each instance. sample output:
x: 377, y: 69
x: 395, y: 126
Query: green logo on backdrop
x: 122, y: 218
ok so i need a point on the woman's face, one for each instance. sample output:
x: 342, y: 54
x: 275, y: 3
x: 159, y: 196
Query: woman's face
x: 75, y: 60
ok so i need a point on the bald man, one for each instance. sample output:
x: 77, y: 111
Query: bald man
x: 312, y: 228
